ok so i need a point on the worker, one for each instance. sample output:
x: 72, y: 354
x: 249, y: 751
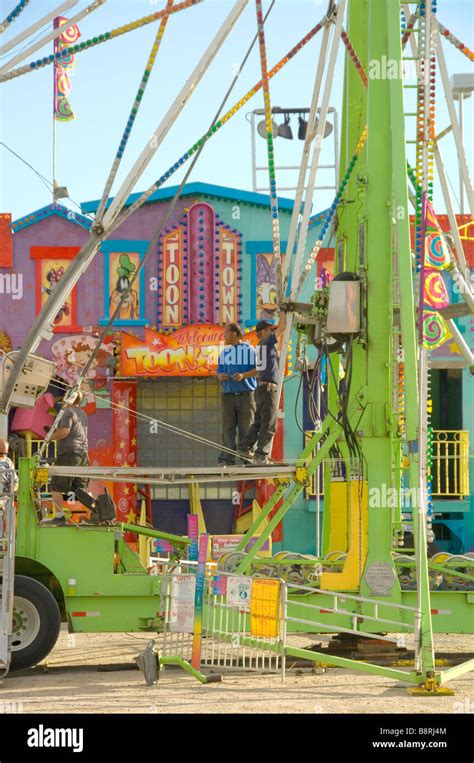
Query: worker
x: 263, y: 430
x: 73, y: 450
x: 236, y: 370
x: 9, y: 482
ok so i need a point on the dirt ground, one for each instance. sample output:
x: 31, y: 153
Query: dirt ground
x: 72, y: 683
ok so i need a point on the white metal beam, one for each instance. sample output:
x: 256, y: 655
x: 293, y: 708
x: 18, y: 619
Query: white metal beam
x: 164, y: 127
x: 305, y: 157
x: 51, y: 35
x: 449, y: 208
x: 310, y: 187
x: 454, y: 122
x: 174, y: 475
x: 461, y: 343
x: 37, y: 25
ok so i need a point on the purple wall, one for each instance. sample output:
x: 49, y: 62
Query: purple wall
x: 17, y: 315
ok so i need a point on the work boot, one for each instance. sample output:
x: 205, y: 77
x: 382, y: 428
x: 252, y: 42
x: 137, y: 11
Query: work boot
x: 246, y: 456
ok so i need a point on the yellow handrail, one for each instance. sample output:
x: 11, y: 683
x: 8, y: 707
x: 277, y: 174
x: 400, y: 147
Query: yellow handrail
x: 32, y: 447
x: 450, y: 463
x: 450, y: 466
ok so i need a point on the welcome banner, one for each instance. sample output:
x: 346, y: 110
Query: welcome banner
x: 189, y: 351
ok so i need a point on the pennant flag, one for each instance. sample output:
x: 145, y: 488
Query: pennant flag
x: 71, y: 35
x: 62, y: 84
x: 434, y: 296
x: 435, y: 293
x: 435, y: 330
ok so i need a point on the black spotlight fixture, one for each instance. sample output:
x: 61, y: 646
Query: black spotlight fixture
x: 302, y: 129
x: 284, y: 130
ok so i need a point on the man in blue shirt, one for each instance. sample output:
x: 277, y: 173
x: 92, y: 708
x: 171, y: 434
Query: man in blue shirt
x: 236, y: 370
x: 263, y: 430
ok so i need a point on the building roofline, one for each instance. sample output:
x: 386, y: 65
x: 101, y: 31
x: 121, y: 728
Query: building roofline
x: 52, y: 210
x: 201, y: 189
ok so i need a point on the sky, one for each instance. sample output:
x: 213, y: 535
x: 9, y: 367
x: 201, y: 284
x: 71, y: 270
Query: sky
x: 106, y: 79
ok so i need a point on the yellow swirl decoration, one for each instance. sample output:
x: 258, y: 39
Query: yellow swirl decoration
x: 64, y: 112
x: 436, y: 294
x: 436, y: 253
x: 435, y: 330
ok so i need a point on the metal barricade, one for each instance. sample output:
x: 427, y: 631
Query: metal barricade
x: 377, y: 611
x: 232, y: 641
x: 243, y: 620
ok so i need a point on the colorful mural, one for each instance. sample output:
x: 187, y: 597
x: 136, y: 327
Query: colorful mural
x: 121, y: 260
x: 71, y: 354
x: 121, y: 269
x: 51, y: 265
x: 267, y: 290
x: 50, y: 274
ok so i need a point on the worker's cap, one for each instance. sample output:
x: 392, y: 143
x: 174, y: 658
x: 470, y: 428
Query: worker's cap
x: 263, y: 325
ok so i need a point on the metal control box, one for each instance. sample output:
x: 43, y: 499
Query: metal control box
x: 344, y: 307
x: 35, y: 377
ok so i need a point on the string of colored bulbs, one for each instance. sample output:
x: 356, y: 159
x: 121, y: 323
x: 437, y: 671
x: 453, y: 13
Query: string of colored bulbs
x: 222, y: 121
x: 13, y: 15
x: 270, y: 142
x: 97, y: 40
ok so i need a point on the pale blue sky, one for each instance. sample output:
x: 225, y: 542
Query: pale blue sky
x: 107, y: 77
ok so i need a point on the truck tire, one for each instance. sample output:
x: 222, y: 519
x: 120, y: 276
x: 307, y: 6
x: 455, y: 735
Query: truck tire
x: 36, y: 623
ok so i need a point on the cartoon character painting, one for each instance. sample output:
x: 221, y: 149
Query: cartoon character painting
x: 51, y: 273
x: 267, y: 291
x: 122, y: 268
x: 71, y: 355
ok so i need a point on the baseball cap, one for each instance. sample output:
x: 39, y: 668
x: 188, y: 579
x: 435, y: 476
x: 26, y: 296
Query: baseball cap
x: 263, y: 325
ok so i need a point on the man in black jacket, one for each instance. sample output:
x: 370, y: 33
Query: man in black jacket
x: 263, y: 430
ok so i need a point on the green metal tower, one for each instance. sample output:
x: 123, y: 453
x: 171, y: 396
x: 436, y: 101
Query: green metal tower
x: 373, y: 240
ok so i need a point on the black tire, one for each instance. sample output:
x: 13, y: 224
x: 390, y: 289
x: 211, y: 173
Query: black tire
x: 38, y: 627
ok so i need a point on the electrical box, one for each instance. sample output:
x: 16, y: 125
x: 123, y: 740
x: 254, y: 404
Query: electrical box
x: 32, y: 382
x: 344, y: 307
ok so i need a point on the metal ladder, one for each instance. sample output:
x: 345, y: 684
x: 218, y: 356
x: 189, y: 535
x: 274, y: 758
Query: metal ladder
x: 7, y: 573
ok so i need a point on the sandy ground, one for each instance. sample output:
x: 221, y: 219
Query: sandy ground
x: 72, y: 683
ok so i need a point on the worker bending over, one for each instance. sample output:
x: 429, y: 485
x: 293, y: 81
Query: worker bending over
x: 73, y: 450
